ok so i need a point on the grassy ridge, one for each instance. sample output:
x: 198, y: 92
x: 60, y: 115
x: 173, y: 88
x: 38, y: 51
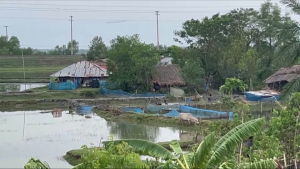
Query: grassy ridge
x: 37, y: 68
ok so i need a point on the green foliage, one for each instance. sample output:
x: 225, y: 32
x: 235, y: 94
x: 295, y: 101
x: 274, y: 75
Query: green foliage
x: 264, y: 147
x: 65, y: 50
x: 132, y: 63
x: 194, y: 76
x: 210, y: 153
x: 89, y: 92
x: 241, y: 43
x: 145, y: 147
x: 97, y: 50
x: 36, y: 164
x: 114, y: 156
x: 233, y: 84
x: 284, y: 125
x: 54, y: 79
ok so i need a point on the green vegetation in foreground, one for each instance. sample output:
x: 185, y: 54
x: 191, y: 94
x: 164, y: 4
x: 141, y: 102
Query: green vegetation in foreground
x: 73, y: 157
x: 37, y: 68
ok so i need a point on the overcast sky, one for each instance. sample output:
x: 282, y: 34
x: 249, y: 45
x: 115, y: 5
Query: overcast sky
x: 45, y: 24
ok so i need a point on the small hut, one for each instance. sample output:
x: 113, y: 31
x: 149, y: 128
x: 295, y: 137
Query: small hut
x: 282, y: 77
x: 167, y: 76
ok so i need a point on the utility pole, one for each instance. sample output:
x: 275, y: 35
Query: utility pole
x: 71, y: 34
x: 157, y: 13
x: 6, y: 33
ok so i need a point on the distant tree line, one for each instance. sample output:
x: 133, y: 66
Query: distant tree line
x: 247, y: 44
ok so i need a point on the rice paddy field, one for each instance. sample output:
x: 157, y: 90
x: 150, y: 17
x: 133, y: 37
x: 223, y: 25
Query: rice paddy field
x: 37, y: 68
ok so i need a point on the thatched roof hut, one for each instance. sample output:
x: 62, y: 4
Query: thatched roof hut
x: 168, y: 75
x: 284, y: 74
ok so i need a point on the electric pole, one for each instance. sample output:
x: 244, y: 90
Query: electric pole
x: 6, y: 33
x: 157, y: 13
x: 71, y: 34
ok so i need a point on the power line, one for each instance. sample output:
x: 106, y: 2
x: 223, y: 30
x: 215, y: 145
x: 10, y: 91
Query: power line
x: 126, y: 6
x: 98, y: 10
x: 124, y: 20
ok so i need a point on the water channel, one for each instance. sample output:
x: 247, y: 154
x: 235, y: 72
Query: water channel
x: 19, y: 87
x: 26, y: 134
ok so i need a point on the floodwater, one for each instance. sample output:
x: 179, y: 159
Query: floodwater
x: 19, y: 87
x: 47, y: 136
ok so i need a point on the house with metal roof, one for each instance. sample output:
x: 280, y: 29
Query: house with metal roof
x: 82, y: 73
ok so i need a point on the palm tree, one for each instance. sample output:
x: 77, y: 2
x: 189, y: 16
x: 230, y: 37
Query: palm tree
x: 210, y: 153
x: 289, y: 53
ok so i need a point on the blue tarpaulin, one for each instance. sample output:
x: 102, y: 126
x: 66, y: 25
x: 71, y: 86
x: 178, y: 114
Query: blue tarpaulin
x: 132, y: 109
x: 203, y: 112
x: 172, y: 113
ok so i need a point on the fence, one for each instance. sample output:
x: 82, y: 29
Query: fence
x: 63, y: 86
x: 203, y: 112
x: 121, y: 93
x: 158, y: 108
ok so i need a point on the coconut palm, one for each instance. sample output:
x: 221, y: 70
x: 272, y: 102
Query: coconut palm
x: 210, y: 153
x: 289, y: 53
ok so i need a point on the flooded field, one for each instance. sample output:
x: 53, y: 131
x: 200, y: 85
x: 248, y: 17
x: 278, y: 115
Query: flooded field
x: 19, y: 87
x: 49, y: 136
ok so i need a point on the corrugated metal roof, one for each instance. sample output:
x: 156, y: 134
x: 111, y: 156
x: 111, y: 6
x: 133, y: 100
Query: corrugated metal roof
x: 81, y: 69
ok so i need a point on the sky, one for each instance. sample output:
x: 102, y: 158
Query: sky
x: 44, y: 24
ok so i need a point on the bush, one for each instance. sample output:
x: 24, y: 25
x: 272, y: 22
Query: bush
x: 89, y: 92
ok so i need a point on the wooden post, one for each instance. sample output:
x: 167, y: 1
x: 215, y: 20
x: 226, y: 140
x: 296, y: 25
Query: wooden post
x: 284, y: 160
x: 261, y: 107
x: 241, y: 145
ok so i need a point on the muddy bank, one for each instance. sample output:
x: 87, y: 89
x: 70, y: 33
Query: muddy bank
x: 149, y: 119
x: 73, y: 156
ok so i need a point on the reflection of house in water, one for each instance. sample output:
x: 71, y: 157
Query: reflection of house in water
x: 56, y: 113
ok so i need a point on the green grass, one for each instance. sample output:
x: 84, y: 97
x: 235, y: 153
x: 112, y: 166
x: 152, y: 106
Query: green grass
x: 26, y: 106
x: 37, y: 68
x: 43, y: 93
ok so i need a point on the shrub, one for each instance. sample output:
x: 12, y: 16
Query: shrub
x: 89, y: 93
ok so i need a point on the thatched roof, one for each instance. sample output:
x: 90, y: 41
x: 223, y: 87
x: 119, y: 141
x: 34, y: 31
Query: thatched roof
x: 168, y: 75
x: 284, y: 74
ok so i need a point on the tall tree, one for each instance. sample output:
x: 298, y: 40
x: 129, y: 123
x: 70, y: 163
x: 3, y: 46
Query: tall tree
x: 75, y: 47
x: 98, y: 49
x: 131, y: 62
x: 289, y: 52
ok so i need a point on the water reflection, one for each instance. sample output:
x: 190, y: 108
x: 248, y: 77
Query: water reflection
x: 48, y: 138
x: 19, y: 87
x: 134, y: 131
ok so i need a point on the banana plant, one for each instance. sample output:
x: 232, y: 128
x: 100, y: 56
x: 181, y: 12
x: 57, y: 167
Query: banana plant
x: 34, y: 163
x: 211, y: 153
